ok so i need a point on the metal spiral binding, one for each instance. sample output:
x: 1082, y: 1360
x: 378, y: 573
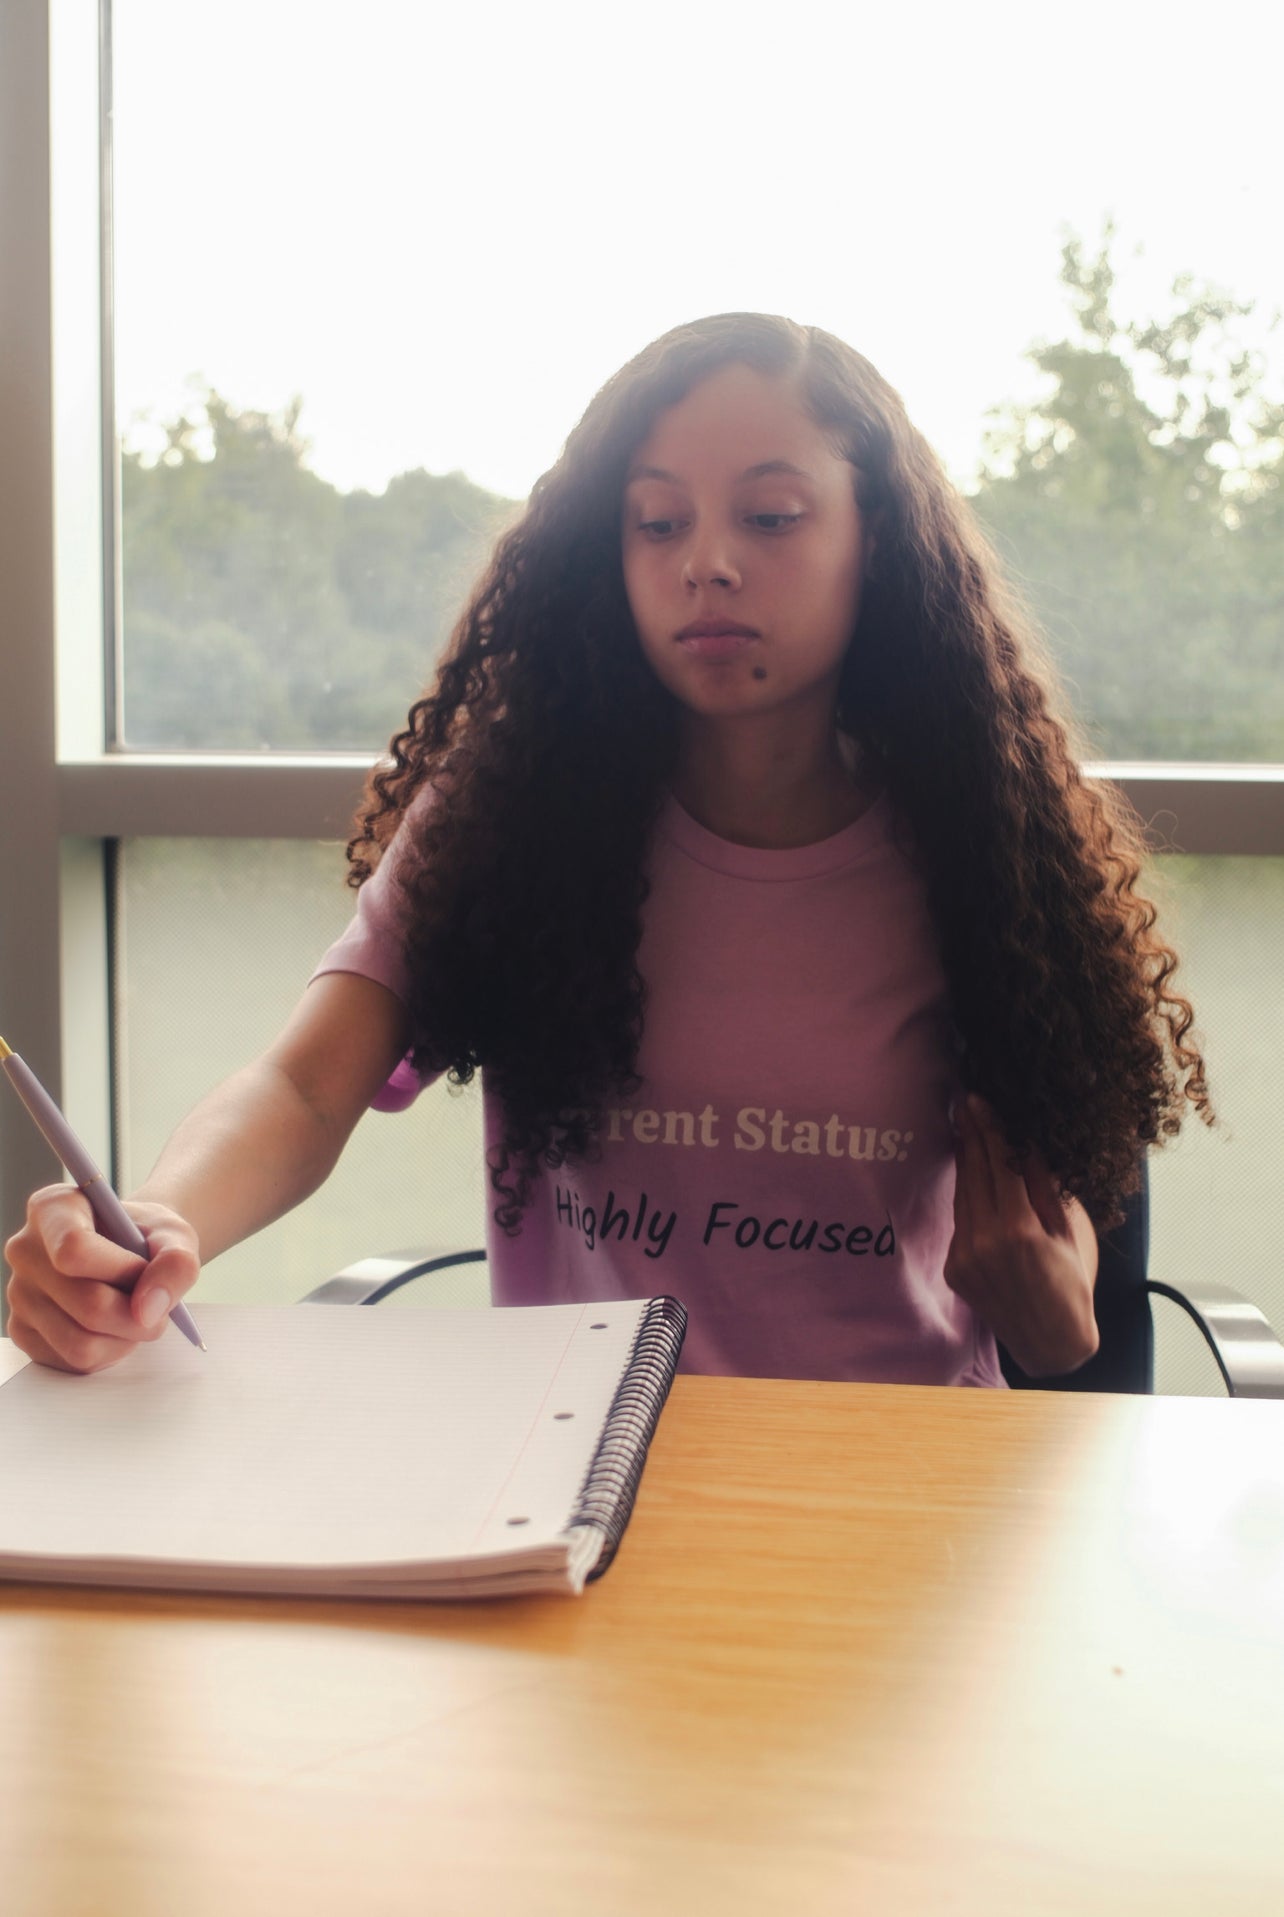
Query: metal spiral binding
x: 606, y: 1496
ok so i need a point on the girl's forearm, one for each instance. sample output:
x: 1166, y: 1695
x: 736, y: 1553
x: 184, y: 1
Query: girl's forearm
x: 248, y: 1153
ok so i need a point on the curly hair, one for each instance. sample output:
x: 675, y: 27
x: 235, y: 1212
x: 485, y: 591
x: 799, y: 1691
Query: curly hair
x: 548, y: 743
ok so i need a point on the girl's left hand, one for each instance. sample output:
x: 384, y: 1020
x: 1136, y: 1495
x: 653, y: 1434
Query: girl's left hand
x: 1024, y: 1261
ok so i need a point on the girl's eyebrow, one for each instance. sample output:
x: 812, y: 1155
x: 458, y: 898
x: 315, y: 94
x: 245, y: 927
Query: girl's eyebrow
x: 751, y: 472
x: 785, y: 466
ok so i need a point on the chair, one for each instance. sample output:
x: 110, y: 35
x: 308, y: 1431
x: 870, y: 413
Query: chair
x: 1249, y: 1355
x: 371, y: 1280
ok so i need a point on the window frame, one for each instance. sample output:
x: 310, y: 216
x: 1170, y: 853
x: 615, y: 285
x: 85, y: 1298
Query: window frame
x: 67, y: 796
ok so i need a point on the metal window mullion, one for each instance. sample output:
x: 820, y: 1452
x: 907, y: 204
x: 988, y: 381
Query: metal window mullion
x: 30, y: 918
x: 1230, y: 811
x: 112, y: 630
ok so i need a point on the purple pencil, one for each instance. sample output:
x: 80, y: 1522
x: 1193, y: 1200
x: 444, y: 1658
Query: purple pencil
x: 114, y: 1222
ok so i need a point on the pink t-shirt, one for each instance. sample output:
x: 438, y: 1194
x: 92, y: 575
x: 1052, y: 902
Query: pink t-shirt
x: 786, y: 1168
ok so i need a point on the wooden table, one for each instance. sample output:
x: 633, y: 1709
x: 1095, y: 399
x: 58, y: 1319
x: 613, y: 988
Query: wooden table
x: 885, y: 1650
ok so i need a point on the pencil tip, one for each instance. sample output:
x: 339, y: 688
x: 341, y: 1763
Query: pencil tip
x: 204, y: 1346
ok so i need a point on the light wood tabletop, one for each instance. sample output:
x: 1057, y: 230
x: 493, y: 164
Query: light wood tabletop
x: 865, y: 1649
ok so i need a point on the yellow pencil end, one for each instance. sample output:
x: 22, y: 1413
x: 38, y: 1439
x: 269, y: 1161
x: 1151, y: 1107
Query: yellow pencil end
x: 6, y: 1051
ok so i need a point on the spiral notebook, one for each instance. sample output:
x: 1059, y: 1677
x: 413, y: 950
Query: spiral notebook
x: 341, y: 1452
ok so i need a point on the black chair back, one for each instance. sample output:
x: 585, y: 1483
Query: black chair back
x: 1125, y: 1360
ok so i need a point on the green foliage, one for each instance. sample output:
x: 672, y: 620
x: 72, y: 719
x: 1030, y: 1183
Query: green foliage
x: 263, y: 607
x: 1138, y: 505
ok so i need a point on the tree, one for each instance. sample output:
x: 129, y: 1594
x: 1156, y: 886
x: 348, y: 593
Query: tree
x: 263, y: 607
x: 1138, y: 504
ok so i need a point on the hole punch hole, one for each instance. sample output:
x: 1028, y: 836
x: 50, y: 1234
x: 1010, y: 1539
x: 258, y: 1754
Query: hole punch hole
x: 599, y: 1326
x: 561, y: 1416
x: 519, y: 1520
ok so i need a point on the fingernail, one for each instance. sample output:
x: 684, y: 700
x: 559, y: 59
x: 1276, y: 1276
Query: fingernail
x: 154, y: 1307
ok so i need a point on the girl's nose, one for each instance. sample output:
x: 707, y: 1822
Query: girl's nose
x: 708, y: 563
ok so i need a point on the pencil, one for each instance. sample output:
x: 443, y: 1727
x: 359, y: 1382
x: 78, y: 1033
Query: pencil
x: 114, y: 1222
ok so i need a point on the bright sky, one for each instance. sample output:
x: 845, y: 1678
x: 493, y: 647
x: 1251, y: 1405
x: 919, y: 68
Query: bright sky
x: 444, y: 225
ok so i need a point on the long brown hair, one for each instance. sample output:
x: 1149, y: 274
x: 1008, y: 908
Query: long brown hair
x: 548, y: 742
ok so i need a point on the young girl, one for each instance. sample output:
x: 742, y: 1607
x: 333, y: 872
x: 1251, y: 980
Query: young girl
x: 739, y: 848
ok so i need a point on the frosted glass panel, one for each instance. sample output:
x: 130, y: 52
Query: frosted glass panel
x: 216, y: 941
x: 1217, y: 1205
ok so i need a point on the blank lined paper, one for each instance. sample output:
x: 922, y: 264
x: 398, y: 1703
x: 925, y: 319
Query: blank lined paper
x: 317, y: 1447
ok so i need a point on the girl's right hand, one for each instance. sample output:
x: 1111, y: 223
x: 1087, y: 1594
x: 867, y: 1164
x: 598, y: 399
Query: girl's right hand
x: 80, y: 1303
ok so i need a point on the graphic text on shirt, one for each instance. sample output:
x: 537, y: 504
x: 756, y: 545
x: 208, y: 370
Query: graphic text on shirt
x: 757, y: 1130
x: 625, y: 1218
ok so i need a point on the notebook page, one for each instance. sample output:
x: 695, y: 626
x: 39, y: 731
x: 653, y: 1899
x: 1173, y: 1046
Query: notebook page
x: 315, y: 1435
x: 11, y: 1359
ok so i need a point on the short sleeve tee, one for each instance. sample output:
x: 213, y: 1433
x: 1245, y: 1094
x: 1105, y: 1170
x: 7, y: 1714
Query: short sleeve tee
x: 786, y: 1167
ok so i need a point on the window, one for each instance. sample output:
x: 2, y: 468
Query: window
x: 362, y: 277
x: 233, y: 922
x: 376, y: 278
x: 1215, y: 1211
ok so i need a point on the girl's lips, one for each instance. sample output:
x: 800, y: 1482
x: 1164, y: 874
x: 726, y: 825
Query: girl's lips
x: 725, y: 644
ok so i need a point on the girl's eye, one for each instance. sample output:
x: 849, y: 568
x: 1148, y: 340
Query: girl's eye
x: 656, y: 529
